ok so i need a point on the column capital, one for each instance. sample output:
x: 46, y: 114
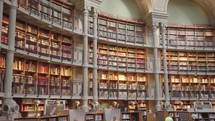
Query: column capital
x: 86, y: 12
x: 163, y: 25
x: 155, y: 25
x: 14, y: 4
x: 95, y: 15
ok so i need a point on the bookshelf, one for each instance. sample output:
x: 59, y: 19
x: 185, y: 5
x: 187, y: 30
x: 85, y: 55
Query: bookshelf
x: 176, y: 115
x: 29, y: 108
x: 205, y: 114
x: 121, y: 58
x: 124, y: 30
x: 190, y: 72
x: 90, y: 82
x: 63, y: 117
x: 55, y: 51
x: 190, y: 36
x: 5, y: 27
x: 121, y: 85
x: 55, y: 82
x: 30, y: 76
x: 66, y: 83
x: 67, y: 48
x: 2, y: 78
x: 34, y: 78
x: 181, y: 105
x: 112, y: 29
x: 43, y: 72
x: 97, y: 116
x: 142, y: 107
x: 191, y: 87
x: 131, y: 116
x: 57, y: 12
x: 20, y: 34
x: 190, y: 62
x: 43, y: 42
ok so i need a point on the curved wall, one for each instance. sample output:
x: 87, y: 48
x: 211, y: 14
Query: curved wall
x: 186, y: 12
x: 125, y: 8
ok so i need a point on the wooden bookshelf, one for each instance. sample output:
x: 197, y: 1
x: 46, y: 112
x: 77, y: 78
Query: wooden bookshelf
x: 97, y: 116
x: 190, y: 36
x: 29, y: 108
x: 124, y: 30
x: 121, y: 58
x: 66, y: 84
x: 191, y: 87
x: 39, y: 78
x: 55, y: 50
x: 40, y: 41
x: 58, y: 12
x: 121, y: 85
x: 20, y: 34
x: 176, y: 115
x: 63, y: 117
x: 190, y: 72
x: 131, y: 116
x: 190, y: 62
x: 55, y: 81
x: 5, y: 27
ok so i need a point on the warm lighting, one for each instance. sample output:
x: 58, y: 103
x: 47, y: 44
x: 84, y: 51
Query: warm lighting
x: 37, y: 103
x: 115, y: 104
x: 77, y: 104
x: 57, y: 102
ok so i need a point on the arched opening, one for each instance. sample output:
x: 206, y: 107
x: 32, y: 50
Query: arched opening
x: 186, y: 12
x: 125, y: 8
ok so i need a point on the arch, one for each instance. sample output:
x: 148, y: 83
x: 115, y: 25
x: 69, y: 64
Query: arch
x: 186, y: 12
x: 145, y: 6
x: 206, y: 5
x: 125, y: 8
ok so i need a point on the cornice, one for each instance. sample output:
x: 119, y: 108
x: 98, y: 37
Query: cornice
x: 159, y: 17
x: 88, y: 5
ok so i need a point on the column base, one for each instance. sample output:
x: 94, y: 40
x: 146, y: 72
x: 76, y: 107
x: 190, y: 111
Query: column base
x: 158, y: 107
x: 85, y: 106
x: 167, y: 106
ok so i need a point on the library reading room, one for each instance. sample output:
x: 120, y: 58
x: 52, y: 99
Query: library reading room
x: 107, y: 60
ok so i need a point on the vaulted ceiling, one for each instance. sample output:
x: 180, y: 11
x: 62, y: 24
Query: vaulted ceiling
x: 147, y: 6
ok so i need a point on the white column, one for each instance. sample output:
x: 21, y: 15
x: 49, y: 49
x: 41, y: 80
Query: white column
x: 9, y: 105
x: 85, y: 64
x: 95, y: 66
x: 166, y: 86
x: 156, y: 74
x: 10, y: 51
x: 1, y: 17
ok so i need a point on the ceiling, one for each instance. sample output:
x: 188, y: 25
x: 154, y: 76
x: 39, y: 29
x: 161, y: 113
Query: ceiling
x: 147, y: 6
